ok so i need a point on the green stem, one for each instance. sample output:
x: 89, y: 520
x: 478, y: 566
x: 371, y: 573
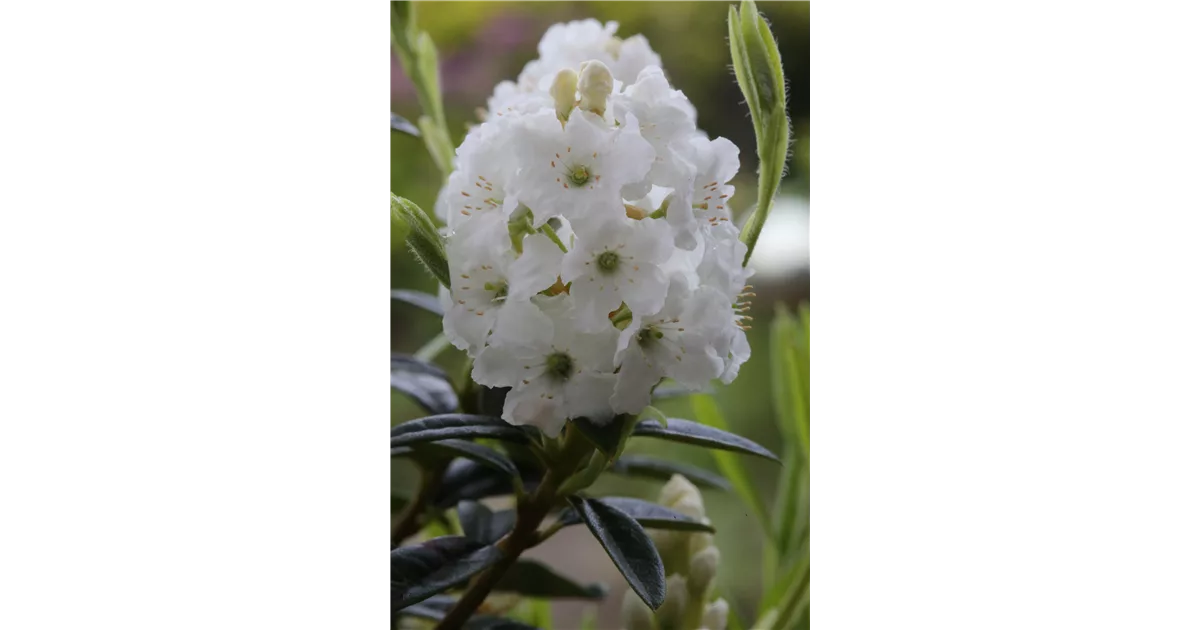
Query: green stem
x: 524, y: 535
x: 545, y: 229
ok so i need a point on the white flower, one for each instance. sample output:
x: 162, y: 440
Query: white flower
x: 561, y: 373
x: 578, y: 169
x: 481, y: 181
x: 631, y: 57
x: 704, y: 200
x: 677, y: 342
x: 585, y: 319
x: 618, y: 261
x: 490, y: 291
x: 666, y: 120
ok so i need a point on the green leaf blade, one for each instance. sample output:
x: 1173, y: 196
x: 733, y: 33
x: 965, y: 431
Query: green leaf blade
x: 425, y: 383
x: 688, y: 432
x: 627, y: 544
x: 423, y: 570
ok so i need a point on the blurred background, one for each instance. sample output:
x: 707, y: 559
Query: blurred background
x: 483, y: 43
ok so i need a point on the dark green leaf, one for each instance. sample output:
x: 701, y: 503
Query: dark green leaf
x: 468, y: 480
x: 608, y: 437
x: 455, y: 426
x: 432, y: 609
x: 686, y: 431
x: 422, y: 612
x: 534, y: 579
x: 425, y: 382
x: 419, y: 571
x: 647, y: 514
x: 482, y: 525
x: 472, y: 451
x: 426, y: 301
x: 654, y: 468
x: 627, y: 544
x: 398, y: 503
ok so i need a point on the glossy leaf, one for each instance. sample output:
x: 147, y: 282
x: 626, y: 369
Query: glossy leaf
x: 706, y: 409
x: 468, y: 480
x: 419, y: 299
x: 627, y: 544
x: 480, y: 524
x: 470, y: 450
x: 428, y: 568
x: 686, y: 431
x: 425, y: 383
x: 663, y: 469
x: 608, y: 437
x: 455, y: 426
x: 534, y: 579
x: 647, y: 514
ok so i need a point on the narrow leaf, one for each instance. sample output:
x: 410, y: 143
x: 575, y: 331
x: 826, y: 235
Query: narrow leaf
x: 706, y: 409
x: 419, y: 571
x: 662, y: 469
x: 647, y: 514
x: 534, y: 579
x: 688, y: 432
x: 419, y: 299
x: 470, y: 450
x: 423, y: 239
x: 468, y: 480
x: 627, y: 544
x: 425, y: 383
x: 609, y: 437
x: 457, y: 426
x: 482, y: 525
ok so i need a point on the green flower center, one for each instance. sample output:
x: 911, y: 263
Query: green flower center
x: 500, y: 289
x: 559, y: 366
x: 578, y: 176
x: 608, y: 261
x: 648, y: 335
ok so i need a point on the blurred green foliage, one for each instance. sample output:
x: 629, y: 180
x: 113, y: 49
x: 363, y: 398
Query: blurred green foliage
x: 482, y: 43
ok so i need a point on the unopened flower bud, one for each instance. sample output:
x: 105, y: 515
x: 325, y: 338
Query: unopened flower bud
x: 716, y: 615
x: 700, y: 541
x: 703, y: 570
x: 677, y: 490
x: 635, y: 614
x: 563, y: 91
x: 674, y: 608
x: 595, y: 84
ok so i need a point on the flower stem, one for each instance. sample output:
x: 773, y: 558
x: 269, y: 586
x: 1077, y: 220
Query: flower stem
x: 548, y: 231
x: 524, y: 534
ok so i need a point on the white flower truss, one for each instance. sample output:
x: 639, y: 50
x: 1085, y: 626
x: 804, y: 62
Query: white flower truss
x: 591, y: 248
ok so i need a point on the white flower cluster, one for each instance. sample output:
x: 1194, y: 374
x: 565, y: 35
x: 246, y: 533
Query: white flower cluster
x: 590, y: 244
